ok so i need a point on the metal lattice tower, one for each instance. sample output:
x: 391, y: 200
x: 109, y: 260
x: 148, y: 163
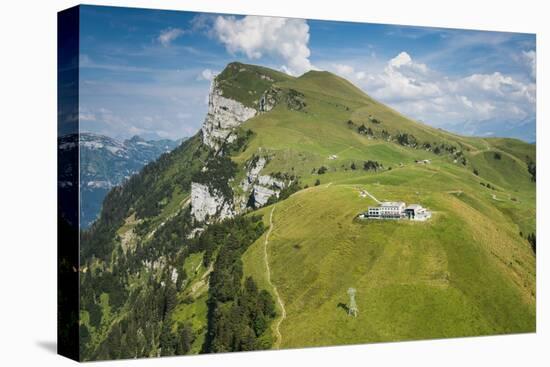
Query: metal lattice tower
x: 352, y: 308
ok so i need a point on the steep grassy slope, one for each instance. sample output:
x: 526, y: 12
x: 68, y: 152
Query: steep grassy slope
x: 466, y: 272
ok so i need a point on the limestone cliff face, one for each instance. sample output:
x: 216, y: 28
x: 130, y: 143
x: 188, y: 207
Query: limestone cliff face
x: 266, y: 187
x: 224, y: 115
x: 262, y: 194
x: 268, y: 181
x: 260, y: 187
x: 253, y: 172
x: 205, y: 204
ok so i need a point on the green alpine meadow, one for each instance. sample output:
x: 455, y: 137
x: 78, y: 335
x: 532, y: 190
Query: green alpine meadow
x: 306, y: 213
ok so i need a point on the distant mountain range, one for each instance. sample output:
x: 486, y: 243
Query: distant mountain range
x: 106, y: 162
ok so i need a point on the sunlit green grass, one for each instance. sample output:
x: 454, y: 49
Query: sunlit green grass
x: 462, y: 273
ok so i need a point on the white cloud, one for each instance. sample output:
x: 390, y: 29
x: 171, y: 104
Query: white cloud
x: 348, y: 72
x: 168, y: 104
x: 404, y: 63
x: 167, y: 36
x: 86, y: 115
x: 424, y: 94
x: 343, y: 69
x: 404, y: 79
x: 530, y: 58
x: 202, y: 22
x: 207, y: 74
x: 496, y: 86
x: 402, y: 59
x: 282, y: 38
x: 466, y: 101
x: 86, y: 62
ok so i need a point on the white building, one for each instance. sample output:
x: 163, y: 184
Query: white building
x: 373, y: 212
x: 424, y: 161
x: 387, y: 210
x: 397, y: 210
x: 417, y: 212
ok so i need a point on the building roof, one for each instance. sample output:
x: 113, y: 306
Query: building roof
x: 414, y: 206
x: 392, y: 203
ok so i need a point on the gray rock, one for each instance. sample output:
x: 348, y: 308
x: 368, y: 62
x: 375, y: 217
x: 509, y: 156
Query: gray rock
x: 262, y: 195
x: 206, y: 204
x: 268, y: 181
x: 252, y: 173
x: 224, y: 115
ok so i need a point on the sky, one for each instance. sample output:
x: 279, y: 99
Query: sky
x: 148, y: 72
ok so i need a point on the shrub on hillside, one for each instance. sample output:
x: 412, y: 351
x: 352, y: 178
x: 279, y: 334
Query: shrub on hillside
x: 365, y: 130
x: 406, y: 139
x: 371, y: 165
x: 532, y: 169
x: 532, y: 238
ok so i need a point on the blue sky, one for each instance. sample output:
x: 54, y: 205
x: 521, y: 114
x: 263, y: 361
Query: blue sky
x: 148, y: 72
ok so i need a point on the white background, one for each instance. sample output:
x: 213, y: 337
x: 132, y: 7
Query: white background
x: 28, y: 181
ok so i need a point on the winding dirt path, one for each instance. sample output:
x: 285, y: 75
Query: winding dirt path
x: 279, y: 300
x: 371, y: 196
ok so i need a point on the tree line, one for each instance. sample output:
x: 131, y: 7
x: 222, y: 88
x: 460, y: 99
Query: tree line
x: 238, y: 315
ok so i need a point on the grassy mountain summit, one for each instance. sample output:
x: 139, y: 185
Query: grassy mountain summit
x: 273, y: 270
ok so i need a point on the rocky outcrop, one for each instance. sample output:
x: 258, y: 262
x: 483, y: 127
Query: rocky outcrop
x: 269, y: 99
x: 262, y: 194
x: 224, y: 115
x: 194, y: 232
x: 174, y: 275
x: 259, y: 188
x: 206, y: 204
x: 254, y: 169
x: 266, y: 187
x: 220, y: 126
x: 268, y: 181
x: 294, y: 100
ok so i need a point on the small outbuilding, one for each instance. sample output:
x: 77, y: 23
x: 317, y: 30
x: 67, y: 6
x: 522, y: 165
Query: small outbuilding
x: 417, y: 212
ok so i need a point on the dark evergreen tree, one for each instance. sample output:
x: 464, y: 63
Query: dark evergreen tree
x: 186, y: 338
x: 167, y: 340
x: 532, y: 238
